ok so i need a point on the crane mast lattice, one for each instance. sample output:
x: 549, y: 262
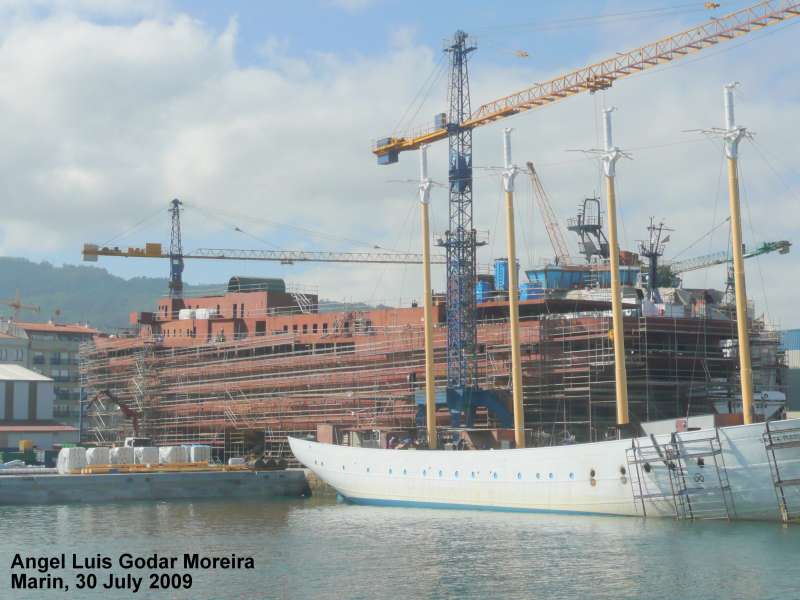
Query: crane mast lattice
x: 175, y: 252
x: 460, y: 239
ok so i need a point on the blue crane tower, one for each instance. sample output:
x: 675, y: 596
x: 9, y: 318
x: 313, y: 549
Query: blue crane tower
x: 460, y: 242
x: 175, y: 252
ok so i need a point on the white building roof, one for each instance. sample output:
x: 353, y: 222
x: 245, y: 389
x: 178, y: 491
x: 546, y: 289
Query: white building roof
x: 17, y: 373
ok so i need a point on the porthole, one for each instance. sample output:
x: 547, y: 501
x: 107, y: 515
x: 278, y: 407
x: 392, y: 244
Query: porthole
x: 538, y: 476
x: 472, y: 475
x: 440, y: 473
x: 572, y: 476
x: 424, y: 472
x: 494, y: 475
x: 367, y: 469
x: 405, y: 472
x: 519, y: 476
x: 551, y: 476
x: 455, y: 475
x: 622, y: 470
x: 390, y: 470
x: 592, y: 473
x: 647, y: 468
x: 342, y: 467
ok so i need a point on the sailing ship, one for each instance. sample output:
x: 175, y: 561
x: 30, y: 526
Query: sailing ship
x: 693, y: 468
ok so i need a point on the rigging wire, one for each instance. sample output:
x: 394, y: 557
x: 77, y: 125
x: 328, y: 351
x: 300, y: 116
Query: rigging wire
x: 496, y: 217
x: 527, y: 222
x: 608, y: 18
x: 424, y: 91
x: 233, y: 226
x: 135, y: 227
x: 312, y: 232
x: 414, y: 226
x: 382, y: 272
x: 717, y: 149
x: 434, y: 84
x: 762, y: 153
x: 706, y: 272
x: 745, y: 200
x: 710, y: 232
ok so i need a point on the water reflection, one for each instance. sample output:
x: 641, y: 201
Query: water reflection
x: 320, y: 549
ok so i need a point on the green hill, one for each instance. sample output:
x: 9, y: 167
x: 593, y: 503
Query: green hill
x: 91, y: 295
x: 82, y: 294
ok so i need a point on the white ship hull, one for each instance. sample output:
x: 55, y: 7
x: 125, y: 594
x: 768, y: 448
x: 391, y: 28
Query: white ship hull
x: 729, y: 472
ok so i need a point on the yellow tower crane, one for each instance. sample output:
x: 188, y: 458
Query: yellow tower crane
x: 592, y: 78
x: 17, y: 305
x: 602, y: 75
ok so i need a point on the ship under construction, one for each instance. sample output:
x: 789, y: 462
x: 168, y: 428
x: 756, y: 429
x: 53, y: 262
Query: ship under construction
x: 243, y: 367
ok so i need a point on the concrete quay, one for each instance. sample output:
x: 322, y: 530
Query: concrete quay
x: 113, y: 487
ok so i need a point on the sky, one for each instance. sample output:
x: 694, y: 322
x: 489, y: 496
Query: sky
x: 260, y: 117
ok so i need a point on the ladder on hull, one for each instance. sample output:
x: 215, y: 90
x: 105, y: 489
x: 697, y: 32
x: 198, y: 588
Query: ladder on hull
x: 651, y: 473
x: 785, y: 473
x: 688, y: 473
x: 705, y: 478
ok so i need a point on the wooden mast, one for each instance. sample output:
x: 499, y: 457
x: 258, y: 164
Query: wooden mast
x: 610, y: 155
x: 732, y: 136
x: 430, y: 377
x: 509, y: 174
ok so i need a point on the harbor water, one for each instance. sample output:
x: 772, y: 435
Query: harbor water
x: 318, y: 548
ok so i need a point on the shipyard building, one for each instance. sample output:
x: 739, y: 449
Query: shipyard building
x: 27, y: 400
x: 51, y: 349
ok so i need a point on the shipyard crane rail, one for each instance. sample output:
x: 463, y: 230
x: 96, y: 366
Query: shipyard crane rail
x: 91, y: 252
x: 551, y: 222
x: 719, y: 258
x: 601, y: 75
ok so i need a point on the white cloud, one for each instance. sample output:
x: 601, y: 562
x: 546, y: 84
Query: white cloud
x: 104, y: 124
x: 22, y: 9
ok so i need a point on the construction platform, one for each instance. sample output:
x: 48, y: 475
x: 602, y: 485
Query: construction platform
x: 174, y: 485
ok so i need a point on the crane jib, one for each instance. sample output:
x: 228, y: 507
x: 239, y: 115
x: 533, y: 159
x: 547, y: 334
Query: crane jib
x: 601, y: 75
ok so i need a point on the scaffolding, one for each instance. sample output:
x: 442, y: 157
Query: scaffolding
x: 248, y: 394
